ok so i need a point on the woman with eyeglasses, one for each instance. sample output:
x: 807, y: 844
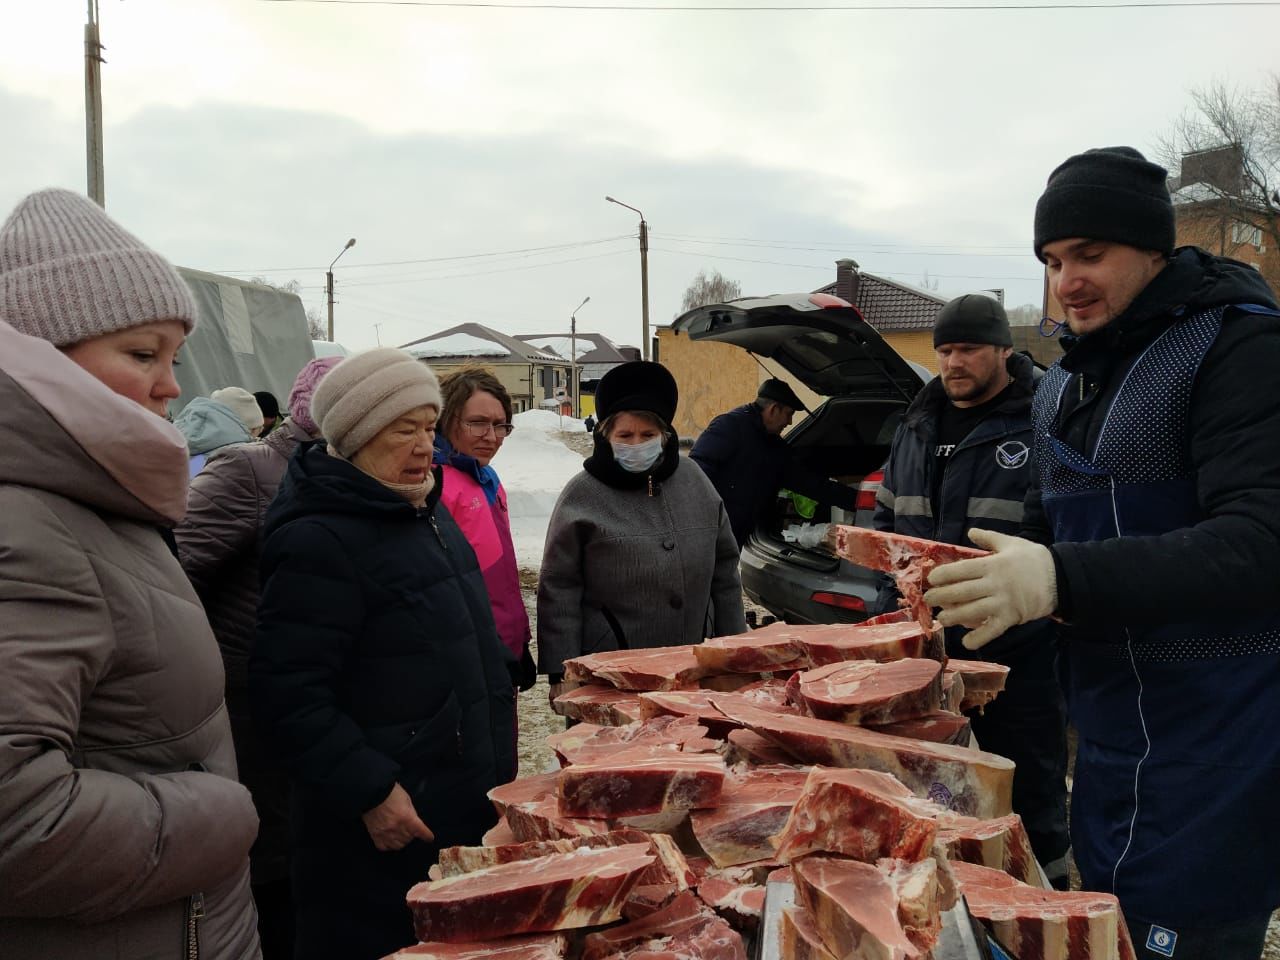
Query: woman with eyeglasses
x: 639, y: 550
x: 475, y: 420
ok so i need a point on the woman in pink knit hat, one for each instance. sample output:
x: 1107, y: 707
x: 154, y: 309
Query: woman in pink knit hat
x: 123, y: 831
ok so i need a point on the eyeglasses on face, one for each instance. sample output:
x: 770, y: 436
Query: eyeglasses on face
x: 480, y: 428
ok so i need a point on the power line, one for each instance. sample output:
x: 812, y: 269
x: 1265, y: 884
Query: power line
x: 464, y: 256
x: 482, y: 273
x: 809, y: 266
x: 1019, y: 246
x: 832, y: 8
x: 838, y: 248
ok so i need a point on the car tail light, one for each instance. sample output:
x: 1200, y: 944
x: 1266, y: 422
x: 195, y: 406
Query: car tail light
x: 867, y: 490
x: 841, y: 600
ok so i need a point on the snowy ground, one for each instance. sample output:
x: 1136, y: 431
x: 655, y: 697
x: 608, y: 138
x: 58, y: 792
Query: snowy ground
x: 535, y: 464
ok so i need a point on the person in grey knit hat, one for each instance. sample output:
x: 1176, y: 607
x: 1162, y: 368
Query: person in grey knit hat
x: 69, y: 272
x: 376, y: 672
x: 123, y: 829
x: 365, y: 392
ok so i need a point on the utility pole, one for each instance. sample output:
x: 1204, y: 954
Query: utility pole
x: 93, y: 107
x: 377, y: 331
x: 644, y: 277
x: 573, y: 357
x: 644, y: 287
x: 328, y: 283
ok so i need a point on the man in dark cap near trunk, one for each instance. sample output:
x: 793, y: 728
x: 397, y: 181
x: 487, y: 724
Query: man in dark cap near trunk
x: 747, y: 461
x: 1152, y: 530
x: 962, y: 458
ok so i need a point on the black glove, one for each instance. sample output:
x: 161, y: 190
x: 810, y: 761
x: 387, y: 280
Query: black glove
x: 528, y: 671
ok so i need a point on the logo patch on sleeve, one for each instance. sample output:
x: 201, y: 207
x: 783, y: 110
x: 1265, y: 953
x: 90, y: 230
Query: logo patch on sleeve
x: 1162, y: 941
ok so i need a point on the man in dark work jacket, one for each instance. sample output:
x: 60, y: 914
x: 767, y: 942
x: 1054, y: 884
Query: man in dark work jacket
x: 745, y: 458
x: 961, y: 458
x: 1157, y: 514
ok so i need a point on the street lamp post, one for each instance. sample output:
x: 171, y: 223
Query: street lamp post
x: 573, y: 356
x: 328, y: 283
x: 644, y: 277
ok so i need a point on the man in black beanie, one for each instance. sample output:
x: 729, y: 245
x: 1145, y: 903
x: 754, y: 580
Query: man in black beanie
x: 1153, y: 531
x: 960, y: 459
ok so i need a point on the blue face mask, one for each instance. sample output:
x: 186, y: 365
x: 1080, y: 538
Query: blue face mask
x: 637, y: 457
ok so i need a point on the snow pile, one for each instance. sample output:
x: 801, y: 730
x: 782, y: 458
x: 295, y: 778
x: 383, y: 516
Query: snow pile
x: 534, y: 466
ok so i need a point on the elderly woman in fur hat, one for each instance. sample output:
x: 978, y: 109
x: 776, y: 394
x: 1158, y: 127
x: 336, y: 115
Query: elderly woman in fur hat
x: 639, y: 551
x: 377, y: 672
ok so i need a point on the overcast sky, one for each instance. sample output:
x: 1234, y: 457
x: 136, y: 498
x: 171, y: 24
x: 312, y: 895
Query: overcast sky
x: 255, y: 137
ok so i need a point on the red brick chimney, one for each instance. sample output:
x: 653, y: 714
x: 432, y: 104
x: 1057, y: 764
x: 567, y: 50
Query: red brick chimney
x: 847, y: 280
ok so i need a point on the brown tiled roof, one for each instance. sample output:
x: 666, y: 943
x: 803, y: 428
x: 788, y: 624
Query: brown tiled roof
x: 890, y: 306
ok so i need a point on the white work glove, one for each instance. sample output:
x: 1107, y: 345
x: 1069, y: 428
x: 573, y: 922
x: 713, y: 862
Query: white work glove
x: 1016, y: 584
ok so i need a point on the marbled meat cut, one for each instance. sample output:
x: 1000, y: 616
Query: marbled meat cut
x: 982, y: 681
x: 799, y: 938
x: 909, y: 560
x: 639, y: 786
x: 698, y: 705
x: 499, y: 834
x: 1001, y: 844
x: 860, y: 814
x: 669, y: 864
x: 886, y: 911
x: 760, y: 651
x: 936, y: 726
x: 740, y: 904
x: 836, y: 643
x: 952, y: 691
x: 893, y: 616
x: 1045, y: 924
x: 549, y: 946
x: 753, y: 807
x: 863, y: 691
x: 563, y: 891
x: 541, y: 820
x: 967, y: 781
x: 685, y: 929
x: 587, y: 741
x: 523, y: 790
x: 598, y: 704
x: 657, y: 668
x: 746, y: 746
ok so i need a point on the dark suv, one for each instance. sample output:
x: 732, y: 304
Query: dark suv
x: 824, y: 343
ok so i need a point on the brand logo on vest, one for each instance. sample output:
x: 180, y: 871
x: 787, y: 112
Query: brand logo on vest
x: 1162, y: 941
x: 1012, y: 455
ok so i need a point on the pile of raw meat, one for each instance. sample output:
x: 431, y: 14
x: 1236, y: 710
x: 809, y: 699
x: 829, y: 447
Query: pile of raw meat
x: 833, y: 756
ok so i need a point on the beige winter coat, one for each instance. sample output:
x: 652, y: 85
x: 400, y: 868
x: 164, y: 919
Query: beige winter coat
x: 119, y: 809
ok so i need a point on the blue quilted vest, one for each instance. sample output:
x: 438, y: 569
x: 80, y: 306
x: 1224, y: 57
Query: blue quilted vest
x: 1178, y: 768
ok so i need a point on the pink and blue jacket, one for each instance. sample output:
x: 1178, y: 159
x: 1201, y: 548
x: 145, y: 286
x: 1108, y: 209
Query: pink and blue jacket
x: 478, y: 503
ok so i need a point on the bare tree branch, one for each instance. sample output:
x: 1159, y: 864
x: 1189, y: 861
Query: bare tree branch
x: 704, y: 289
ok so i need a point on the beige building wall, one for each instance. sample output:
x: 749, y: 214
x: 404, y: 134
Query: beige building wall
x: 713, y: 378
x: 513, y: 376
x: 915, y: 345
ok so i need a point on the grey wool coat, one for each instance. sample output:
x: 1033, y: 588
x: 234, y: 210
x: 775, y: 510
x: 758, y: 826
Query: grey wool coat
x: 626, y: 569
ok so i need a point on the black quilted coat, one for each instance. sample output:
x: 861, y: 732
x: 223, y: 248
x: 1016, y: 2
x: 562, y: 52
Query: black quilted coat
x: 376, y: 662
